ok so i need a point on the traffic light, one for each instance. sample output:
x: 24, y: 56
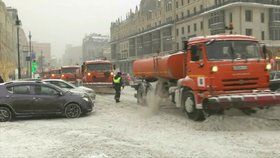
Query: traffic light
x: 34, y: 66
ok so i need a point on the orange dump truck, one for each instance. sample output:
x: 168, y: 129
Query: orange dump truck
x: 215, y: 73
x: 98, y: 75
x: 55, y: 74
x: 71, y: 73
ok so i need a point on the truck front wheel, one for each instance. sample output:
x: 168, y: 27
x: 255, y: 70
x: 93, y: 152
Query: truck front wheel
x: 189, y: 107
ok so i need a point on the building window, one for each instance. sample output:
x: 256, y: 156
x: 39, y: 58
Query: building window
x: 263, y: 35
x: 201, y: 25
x: 189, y: 28
x: 194, y: 27
x: 189, y: 13
x: 230, y: 17
x: 178, y: 46
x: 177, y: 32
x: 183, y: 30
x: 188, y: 1
x: 248, y: 16
x: 182, y: 2
x: 194, y: 10
x: 177, y: 5
x: 262, y: 17
x: 249, y: 32
x: 201, y: 7
x: 182, y: 14
x: 177, y: 17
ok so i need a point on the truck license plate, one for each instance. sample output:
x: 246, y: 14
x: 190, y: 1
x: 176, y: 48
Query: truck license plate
x: 237, y: 68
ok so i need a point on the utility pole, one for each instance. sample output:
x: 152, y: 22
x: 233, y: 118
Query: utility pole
x: 30, y: 50
x: 42, y: 66
x: 18, y: 23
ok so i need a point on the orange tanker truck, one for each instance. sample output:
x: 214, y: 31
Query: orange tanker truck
x: 98, y: 75
x: 215, y: 73
x: 71, y: 73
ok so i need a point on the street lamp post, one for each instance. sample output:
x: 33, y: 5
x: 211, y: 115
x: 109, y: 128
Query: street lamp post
x: 30, y: 64
x: 18, y: 23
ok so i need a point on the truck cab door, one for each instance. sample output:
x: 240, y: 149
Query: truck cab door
x: 196, y: 68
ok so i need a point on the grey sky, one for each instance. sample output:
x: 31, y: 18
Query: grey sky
x: 62, y: 22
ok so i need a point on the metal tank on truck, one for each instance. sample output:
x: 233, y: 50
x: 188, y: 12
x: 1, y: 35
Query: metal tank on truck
x: 98, y: 75
x: 214, y: 74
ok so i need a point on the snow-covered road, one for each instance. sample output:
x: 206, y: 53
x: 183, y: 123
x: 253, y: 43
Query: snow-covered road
x: 128, y: 130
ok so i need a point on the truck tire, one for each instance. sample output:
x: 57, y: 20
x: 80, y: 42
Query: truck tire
x: 5, y: 114
x: 190, y: 109
x: 142, y: 92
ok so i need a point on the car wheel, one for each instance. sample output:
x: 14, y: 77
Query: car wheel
x: 190, y: 109
x: 72, y: 111
x: 5, y: 114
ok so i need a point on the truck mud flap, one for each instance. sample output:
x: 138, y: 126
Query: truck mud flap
x: 263, y: 99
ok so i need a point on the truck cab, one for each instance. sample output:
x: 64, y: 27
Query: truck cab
x: 55, y: 74
x: 71, y: 73
x: 97, y: 71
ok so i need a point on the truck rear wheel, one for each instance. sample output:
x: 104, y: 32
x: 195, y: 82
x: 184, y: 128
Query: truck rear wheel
x: 189, y: 107
x: 142, y: 92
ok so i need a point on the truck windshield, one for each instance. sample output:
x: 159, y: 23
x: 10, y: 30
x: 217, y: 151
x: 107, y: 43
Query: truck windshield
x: 55, y: 72
x: 69, y: 70
x: 233, y: 50
x: 99, y: 67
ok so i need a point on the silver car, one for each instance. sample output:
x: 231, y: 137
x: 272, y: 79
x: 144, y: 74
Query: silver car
x: 71, y: 87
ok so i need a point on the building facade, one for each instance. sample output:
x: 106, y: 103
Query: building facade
x: 94, y: 45
x: 72, y: 56
x: 163, y: 26
x: 8, y: 41
x: 41, y: 52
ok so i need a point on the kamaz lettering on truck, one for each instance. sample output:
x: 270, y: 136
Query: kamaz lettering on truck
x: 215, y: 73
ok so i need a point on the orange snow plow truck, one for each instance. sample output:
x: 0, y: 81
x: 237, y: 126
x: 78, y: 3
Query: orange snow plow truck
x: 98, y: 75
x: 214, y: 74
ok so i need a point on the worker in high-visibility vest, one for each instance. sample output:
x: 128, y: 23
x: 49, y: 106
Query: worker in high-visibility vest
x: 118, y: 84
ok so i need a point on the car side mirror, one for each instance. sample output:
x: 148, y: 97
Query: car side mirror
x: 60, y: 93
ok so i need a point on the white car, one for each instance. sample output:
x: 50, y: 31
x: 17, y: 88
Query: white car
x: 71, y: 87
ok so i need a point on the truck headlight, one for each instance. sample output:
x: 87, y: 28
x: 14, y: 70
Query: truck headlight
x: 215, y: 69
x: 268, y: 66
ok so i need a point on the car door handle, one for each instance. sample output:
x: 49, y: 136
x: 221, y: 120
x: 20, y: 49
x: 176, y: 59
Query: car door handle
x: 36, y: 99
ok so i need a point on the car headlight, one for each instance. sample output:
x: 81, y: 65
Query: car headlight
x: 268, y: 66
x: 85, y: 99
x: 215, y: 69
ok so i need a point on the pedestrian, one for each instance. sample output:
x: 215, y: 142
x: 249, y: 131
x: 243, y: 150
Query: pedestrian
x: 1, y: 79
x: 118, y: 84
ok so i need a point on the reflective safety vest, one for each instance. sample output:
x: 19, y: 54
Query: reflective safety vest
x: 118, y: 80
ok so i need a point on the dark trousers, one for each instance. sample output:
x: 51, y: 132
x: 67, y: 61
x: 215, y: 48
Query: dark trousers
x: 118, y: 93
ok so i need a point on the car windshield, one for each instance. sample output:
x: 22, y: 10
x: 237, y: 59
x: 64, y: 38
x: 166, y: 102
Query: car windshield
x: 233, y: 50
x: 99, y: 67
x: 69, y: 70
